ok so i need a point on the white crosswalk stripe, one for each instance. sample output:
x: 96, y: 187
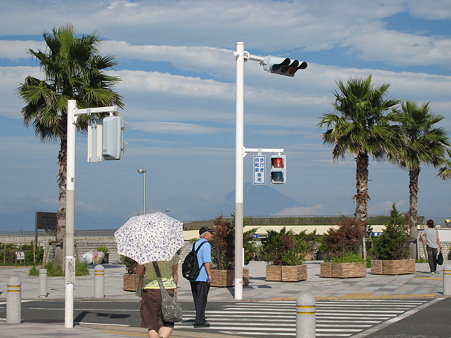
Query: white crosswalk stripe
x: 340, y: 318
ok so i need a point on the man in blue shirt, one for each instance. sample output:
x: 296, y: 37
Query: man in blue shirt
x: 201, y: 285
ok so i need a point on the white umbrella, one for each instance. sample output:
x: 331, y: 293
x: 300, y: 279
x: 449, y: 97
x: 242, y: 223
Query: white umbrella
x: 151, y: 237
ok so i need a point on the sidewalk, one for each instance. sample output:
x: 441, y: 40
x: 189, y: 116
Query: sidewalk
x: 418, y: 285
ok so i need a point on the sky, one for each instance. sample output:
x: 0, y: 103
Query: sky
x: 177, y: 69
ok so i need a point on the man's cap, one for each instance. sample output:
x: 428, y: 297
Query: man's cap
x: 204, y: 230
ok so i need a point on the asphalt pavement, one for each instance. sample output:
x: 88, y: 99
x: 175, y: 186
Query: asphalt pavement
x: 413, y: 286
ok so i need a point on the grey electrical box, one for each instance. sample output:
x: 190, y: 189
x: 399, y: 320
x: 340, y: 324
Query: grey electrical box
x: 113, y: 137
x: 95, y: 140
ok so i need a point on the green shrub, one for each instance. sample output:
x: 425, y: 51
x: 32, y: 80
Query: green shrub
x: 34, y: 271
x: 130, y: 264
x: 346, y: 239
x: 102, y: 249
x: 8, y: 254
x: 81, y: 269
x: 348, y: 257
x: 223, y: 244
x: 284, y: 247
x: 393, y: 243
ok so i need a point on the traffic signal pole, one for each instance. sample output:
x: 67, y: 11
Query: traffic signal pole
x: 69, y: 272
x: 70, y: 212
x: 239, y: 155
x: 276, y: 65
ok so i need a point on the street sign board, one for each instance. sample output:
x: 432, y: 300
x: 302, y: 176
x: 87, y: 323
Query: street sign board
x: 46, y: 220
x: 259, y: 169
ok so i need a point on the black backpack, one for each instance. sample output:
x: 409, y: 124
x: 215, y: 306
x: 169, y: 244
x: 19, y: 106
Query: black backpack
x: 190, y: 266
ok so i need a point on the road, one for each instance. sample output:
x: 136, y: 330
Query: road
x: 340, y: 318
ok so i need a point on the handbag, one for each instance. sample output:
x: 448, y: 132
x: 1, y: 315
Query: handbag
x: 170, y: 307
x: 440, y: 258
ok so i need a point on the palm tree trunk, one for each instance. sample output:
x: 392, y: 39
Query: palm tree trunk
x: 362, y: 197
x: 61, y: 215
x: 414, y: 174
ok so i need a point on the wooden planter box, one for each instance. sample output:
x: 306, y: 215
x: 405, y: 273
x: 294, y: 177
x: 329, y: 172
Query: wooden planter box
x: 274, y: 273
x: 223, y: 278
x: 393, y: 267
x: 294, y: 273
x: 286, y: 273
x: 342, y: 270
x: 130, y: 282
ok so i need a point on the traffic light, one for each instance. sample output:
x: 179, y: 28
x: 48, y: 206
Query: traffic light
x: 113, y: 137
x: 95, y: 140
x: 283, y: 66
x: 278, y: 169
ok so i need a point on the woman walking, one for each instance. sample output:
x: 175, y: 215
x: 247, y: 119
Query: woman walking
x: 151, y: 315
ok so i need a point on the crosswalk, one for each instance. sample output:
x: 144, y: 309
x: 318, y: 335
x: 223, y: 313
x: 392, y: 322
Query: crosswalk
x: 340, y: 318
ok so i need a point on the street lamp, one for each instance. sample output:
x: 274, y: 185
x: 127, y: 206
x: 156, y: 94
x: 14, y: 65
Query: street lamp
x: 281, y: 66
x: 143, y: 171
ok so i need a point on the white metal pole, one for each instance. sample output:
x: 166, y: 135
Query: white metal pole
x: 70, y: 212
x: 145, y: 192
x: 144, y: 172
x: 239, y: 198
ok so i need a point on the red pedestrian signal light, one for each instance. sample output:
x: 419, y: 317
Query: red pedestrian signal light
x: 278, y: 169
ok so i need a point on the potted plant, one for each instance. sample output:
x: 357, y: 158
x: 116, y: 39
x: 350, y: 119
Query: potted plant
x: 130, y: 278
x: 284, y: 251
x: 106, y: 256
x: 342, y: 248
x: 391, y: 249
x: 223, y: 252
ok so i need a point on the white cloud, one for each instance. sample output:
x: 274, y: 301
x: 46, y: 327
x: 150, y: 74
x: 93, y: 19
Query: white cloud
x: 302, y: 211
x: 384, y: 207
x: 434, y: 10
x: 175, y: 128
x: 310, y: 26
x: 15, y: 49
x: 405, y: 49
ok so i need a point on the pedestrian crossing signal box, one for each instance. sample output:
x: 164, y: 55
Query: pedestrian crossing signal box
x: 278, y: 169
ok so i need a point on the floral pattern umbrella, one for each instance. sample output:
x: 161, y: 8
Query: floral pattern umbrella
x: 151, y: 237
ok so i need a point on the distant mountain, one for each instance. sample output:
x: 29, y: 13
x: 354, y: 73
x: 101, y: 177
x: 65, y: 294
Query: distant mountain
x: 261, y: 200
x: 25, y: 221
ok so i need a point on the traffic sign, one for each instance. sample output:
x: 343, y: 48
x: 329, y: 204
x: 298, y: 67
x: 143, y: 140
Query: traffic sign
x: 259, y: 169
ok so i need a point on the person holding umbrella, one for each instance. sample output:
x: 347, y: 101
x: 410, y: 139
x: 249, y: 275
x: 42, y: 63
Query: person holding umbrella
x: 151, y: 316
x: 201, y: 285
x: 149, y: 238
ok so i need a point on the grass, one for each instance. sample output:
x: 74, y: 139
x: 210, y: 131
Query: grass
x: 81, y: 269
x: 422, y: 260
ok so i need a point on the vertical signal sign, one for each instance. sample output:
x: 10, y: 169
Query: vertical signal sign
x: 259, y: 169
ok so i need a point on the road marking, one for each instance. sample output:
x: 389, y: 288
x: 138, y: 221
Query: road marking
x: 338, y: 318
x: 396, y: 319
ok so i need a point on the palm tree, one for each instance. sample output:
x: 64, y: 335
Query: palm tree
x: 361, y: 128
x: 73, y: 70
x: 445, y: 171
x: 418, y: 142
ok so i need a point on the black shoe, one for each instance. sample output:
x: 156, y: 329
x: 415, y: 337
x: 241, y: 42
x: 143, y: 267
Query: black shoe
x: 204, y: 324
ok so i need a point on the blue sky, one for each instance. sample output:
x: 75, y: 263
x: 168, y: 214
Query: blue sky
x: 175, y: 59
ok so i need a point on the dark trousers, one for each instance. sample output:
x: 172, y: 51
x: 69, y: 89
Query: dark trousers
x: 432, y: 258
x: 200, y: 294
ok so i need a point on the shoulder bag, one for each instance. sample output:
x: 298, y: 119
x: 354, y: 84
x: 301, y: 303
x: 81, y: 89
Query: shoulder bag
x: 170, y: 307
